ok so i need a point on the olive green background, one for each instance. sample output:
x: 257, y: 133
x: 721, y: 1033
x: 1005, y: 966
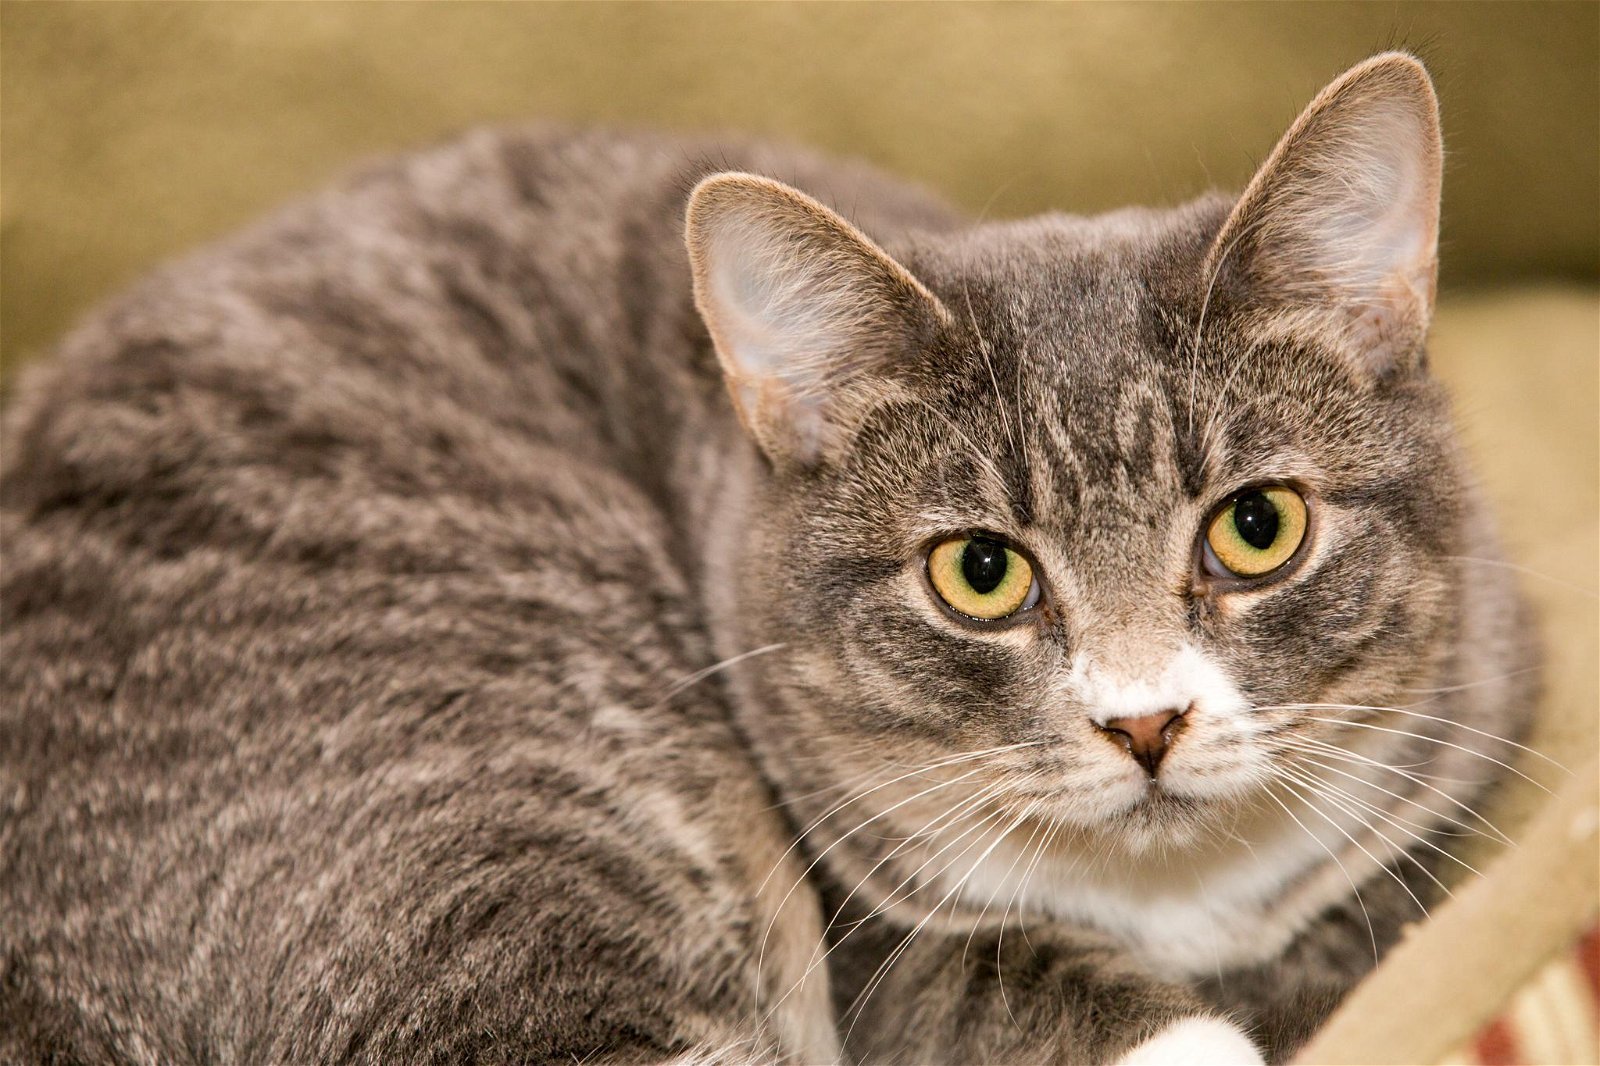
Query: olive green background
x: 132, y: 131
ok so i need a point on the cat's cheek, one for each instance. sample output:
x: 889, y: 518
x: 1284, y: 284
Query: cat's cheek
x: 1196, y: 1041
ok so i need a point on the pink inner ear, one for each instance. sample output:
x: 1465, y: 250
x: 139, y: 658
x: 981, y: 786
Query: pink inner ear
x: 798, y: 302
x: 1388, y: 250
x: 1369, y: 206
x: 1340, y: 227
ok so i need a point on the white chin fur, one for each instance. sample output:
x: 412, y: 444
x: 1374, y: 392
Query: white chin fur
x: 1195, y: 1041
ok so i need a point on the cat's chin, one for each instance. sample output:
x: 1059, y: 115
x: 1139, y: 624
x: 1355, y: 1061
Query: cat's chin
x: 1161, y: 821
x: 1158, y: 818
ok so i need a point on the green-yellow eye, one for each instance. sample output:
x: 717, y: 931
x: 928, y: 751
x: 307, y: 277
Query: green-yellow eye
x: 980, y: 577
x: 1257, y: 532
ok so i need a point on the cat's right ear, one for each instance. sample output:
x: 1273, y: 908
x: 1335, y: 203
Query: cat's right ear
x: 804, y: 309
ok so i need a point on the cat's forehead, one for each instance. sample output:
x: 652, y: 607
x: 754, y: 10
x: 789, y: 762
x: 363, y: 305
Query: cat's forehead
x: 1078, y: 334
x: 1080, y: 303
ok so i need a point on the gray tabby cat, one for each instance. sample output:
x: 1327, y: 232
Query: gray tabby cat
x: 411, y: 654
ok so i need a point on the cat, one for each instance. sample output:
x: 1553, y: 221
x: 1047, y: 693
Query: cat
x: 574, y: 596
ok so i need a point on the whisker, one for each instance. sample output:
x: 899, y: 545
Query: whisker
x: 985, y: 350
x: 1384, y: 866
x: 1530, y: 571
x: 950, y: 818
x: 975, y: 453
x: 1406, y: 799
x: 819, y: 960
x: 894, y: 896
x: 1037, y: 829
x: 1337, y: 753
x: 1312, y: 781
x: 1415, y: 714
x: 1415, y: 774
x: 1353, y: 886
x: 1200, y: 321
x: 816, y: 962
x: 700, y: 675
x: 1395, y: 851
x: 1302, y: 770
x: 950, y: 760
x: 1433, y: 740
x: 1477, y: 684
x: 1021, y: 890
x: 806, y: 873
x: 1029, y: 473
x: 882, y: 971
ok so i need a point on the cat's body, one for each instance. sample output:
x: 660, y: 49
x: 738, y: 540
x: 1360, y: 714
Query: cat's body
x: 361, y: 577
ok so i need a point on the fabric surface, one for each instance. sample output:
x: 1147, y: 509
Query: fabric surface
x: 1554, y: 1019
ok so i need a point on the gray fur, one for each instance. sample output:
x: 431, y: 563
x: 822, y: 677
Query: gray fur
x: 362, y: 574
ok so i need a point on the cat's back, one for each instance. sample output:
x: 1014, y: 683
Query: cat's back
x: 355, y: 553
x: 513, y: 284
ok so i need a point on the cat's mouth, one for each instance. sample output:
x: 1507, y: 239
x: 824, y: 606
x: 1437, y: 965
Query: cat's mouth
x: 1166, y: 810
x: 1160, y: 796
x: 1162, y: 819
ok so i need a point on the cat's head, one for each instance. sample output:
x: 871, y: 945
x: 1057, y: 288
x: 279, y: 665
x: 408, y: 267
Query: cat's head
x: 1116, y: 501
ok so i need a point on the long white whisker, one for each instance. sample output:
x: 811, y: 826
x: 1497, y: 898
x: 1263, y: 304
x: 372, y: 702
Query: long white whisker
x: 984, y: 349
x: 894, y: 897
x: 1476, y: 684
x: 888, y: 901
x: 1332, y: 751
x: 1431, y: 740
x: 1313, y: 781
x: 806, y: 874
x: 883, y: 969
x: 1353, y: 886
x: 1395, y: 852
x: 975, y: 453
x: 1414, y: 714
x: 1000, y: 883
x: 820, y: 960
x: 1022, y: 890
x: 1200, y: 320
x: 1404, y: 799
x: 950, y: 760
x: 1530, y: 571
x: 1384, y: 866
x: 700, y: 675
x: 935, y: 826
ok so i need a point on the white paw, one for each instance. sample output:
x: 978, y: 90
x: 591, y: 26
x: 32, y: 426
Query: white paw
x: 1195, y: 1041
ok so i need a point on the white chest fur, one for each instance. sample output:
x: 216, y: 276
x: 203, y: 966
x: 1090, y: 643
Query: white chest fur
x: 1182, y: 916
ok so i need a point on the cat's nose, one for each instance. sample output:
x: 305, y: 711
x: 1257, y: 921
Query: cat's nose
x: 1146, y: 737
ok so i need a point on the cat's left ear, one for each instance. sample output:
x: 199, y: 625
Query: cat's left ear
x: 1337, y: 234
x: 807, y: 314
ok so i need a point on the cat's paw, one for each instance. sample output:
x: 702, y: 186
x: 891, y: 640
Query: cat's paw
x: 1196, y: 1041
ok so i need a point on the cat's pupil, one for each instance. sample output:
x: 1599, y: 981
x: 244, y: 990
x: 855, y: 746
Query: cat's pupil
x: 1256, y: 519
x: 983, y: 564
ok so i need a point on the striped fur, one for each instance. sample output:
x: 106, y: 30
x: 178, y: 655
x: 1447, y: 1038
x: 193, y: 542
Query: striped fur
x: 408, y: 653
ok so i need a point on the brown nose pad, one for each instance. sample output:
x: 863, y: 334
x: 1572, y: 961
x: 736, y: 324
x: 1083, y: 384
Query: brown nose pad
x: 1146, y: 737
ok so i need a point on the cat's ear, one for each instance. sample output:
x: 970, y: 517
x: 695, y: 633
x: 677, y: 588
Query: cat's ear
x: 1337, y: 233
x: 803, y: 309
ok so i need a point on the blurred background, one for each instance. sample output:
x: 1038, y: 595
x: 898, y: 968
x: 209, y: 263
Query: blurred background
x: 130, y: 131
x: 134, y: 130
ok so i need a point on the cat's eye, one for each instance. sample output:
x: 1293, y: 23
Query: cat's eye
x: 981, y: 577
x: 1255, y: 533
